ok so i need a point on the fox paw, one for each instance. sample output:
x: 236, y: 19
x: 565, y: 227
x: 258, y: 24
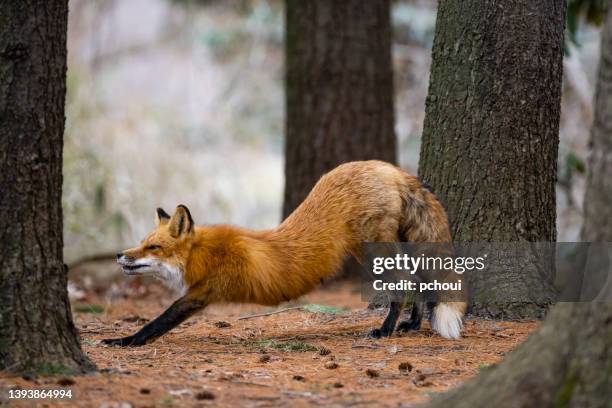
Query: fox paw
x: 378, y: 333
x: 408, y: 325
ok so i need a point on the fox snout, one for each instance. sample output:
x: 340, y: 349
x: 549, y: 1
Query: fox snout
x: 131, y: 265
x: 123, y: 259
x: 135, y: 262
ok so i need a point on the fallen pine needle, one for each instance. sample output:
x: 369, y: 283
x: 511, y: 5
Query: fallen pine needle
x: 249, y: 383
x: 269, y: 313
x: 370, y: 346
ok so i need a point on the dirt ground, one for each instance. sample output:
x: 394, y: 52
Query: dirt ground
x: 299, y: 357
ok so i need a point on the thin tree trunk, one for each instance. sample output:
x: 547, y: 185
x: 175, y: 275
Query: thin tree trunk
x: 36, y: 330
x: 490, y: 136
x: 339, y: 89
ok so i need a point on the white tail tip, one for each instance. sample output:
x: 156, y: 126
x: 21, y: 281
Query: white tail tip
x: 446, y: 320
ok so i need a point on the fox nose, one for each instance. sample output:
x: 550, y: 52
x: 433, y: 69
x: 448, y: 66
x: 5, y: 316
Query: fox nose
x: 119, y: 255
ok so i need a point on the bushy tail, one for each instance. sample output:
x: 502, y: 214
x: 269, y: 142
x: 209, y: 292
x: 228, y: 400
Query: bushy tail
x: 447, y: 319
x: 426, y: 222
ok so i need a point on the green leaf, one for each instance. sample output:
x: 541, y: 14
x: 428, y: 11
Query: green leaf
x: 574, y: 163
x: 89, y: 308
x: 287, y: 346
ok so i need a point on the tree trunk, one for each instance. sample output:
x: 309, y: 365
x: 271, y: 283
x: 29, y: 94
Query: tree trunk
x: 490, y: 136
x: 339, y: 89
x: 597, y: 225
x: 568, y: 361
x: 36, y: 330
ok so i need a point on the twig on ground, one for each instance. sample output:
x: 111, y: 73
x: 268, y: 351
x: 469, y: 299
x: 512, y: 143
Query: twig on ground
x: 248, y: 383
x: 269, y: 313
x: 370, y: 346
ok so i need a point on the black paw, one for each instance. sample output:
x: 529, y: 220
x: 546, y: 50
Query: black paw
x: 378, y: 333
x: 374, y: 334
x: 129, y: 341
x: 408, y: 325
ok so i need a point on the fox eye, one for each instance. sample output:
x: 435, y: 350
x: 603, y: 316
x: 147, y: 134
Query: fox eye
x: 152, y: 247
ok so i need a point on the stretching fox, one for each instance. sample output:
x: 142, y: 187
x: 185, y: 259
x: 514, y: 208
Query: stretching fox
x: 367, y: 201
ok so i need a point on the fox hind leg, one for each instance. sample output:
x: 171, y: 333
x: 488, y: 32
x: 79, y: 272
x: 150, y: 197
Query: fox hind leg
x: 389, y: 324
x: 387, y: 231
x: 416, y: 316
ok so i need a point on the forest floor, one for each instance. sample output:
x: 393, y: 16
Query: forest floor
x: 316, y: 355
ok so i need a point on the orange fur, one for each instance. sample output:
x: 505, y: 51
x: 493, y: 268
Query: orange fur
x: 369, y: 201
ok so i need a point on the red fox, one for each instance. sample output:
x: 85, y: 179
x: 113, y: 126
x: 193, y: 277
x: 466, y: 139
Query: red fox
x: 365, y: 201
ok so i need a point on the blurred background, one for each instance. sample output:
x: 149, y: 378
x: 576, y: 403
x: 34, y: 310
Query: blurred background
x: 178, y: 101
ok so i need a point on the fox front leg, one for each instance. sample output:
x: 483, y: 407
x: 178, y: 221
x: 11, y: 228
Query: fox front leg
x: 180, y: 310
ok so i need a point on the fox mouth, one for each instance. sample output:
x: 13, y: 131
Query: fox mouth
x: 132, y: 267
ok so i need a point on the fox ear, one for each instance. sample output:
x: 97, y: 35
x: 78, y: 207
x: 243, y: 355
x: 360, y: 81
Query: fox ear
x: 181, y: 222
x: 162, y: 217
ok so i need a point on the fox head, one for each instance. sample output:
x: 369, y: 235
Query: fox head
x: 165, y: 251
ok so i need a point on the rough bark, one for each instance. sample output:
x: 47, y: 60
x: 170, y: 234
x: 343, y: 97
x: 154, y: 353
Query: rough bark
x: 339, y: 89
x: 490, y: 136
x: 566, y: 363
x: 36, y: 329
x: 597, y: 225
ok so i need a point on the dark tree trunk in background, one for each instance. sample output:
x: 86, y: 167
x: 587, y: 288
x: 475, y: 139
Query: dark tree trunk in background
x: 339, y: 89
x: 568, y: 361
x: 598, y: 198
x: 36, y: 329
x: 490, y: 135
